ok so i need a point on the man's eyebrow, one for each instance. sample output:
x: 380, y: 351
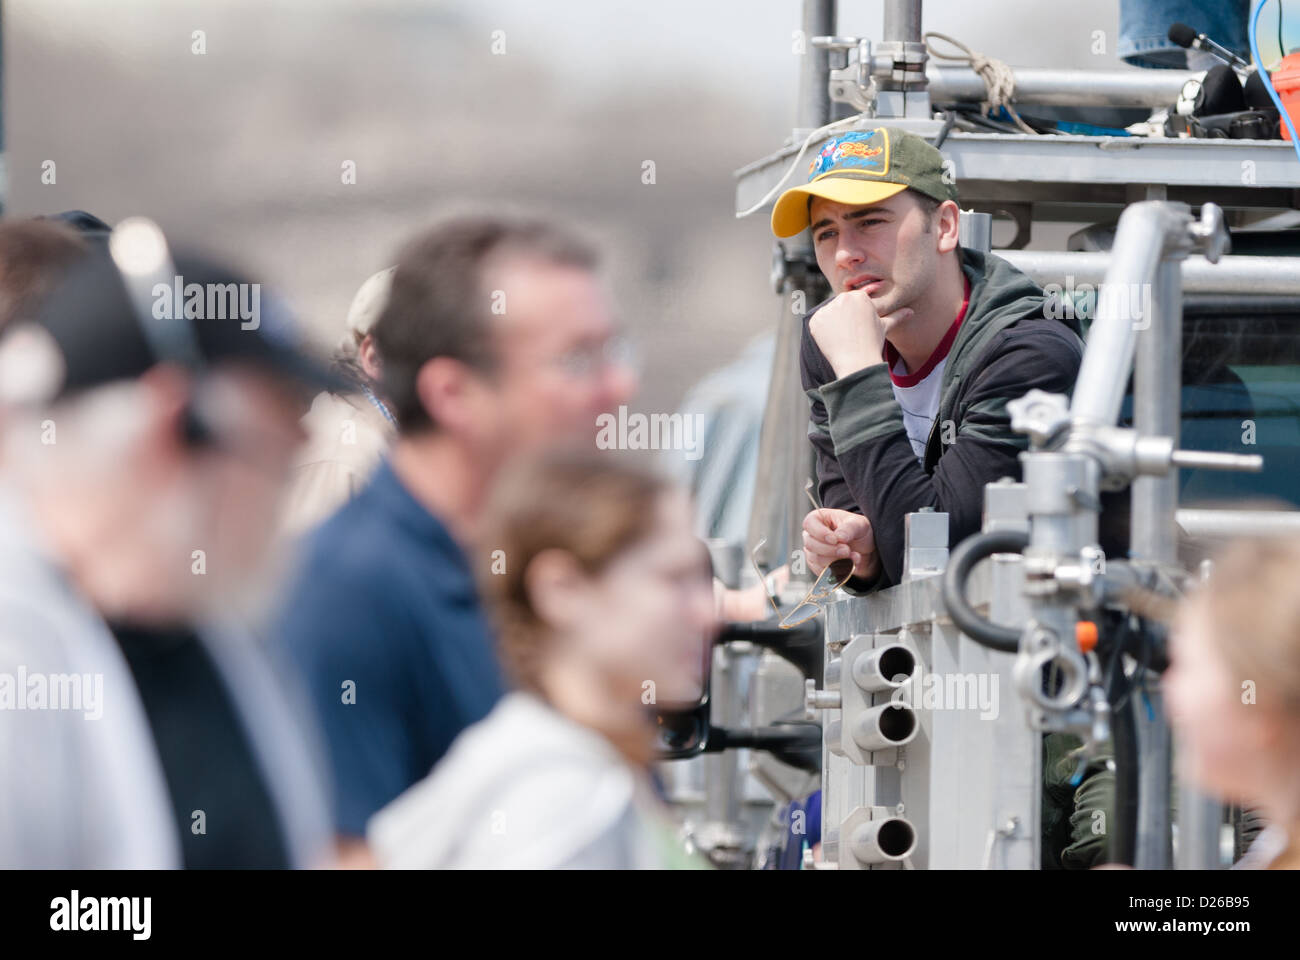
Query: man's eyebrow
x: 865, y: 211
x: 855, y: 215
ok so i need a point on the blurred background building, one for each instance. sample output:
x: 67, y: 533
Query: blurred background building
x: 446, y: 104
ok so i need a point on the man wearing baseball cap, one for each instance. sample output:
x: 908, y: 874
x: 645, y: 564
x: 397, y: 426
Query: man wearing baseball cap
x: 911, y: 363
x: 909, y: 367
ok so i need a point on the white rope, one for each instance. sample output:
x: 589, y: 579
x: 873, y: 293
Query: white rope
x: 999, y: 79
x: 999, y: 87
x: 830, y: 128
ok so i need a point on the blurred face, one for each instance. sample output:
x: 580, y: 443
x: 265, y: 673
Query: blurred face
x: 881, y: 247
x: 1223, y: 743
x: 650, y: 612
x: 238, y: 481
x: 557, y: 343
x: 155, y: 530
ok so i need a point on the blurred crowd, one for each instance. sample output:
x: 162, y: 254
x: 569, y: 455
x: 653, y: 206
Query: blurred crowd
x: 260, y: 608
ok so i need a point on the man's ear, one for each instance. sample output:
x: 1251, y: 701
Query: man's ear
x: 949, y: 221
x: 446, y: 389
x: 556, y: 588
x: 369, y: 358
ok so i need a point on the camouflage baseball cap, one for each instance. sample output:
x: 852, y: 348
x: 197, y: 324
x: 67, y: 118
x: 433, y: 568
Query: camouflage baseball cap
x: 864, y: 166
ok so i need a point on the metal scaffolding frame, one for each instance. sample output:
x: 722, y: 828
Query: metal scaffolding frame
x: 891, y: 803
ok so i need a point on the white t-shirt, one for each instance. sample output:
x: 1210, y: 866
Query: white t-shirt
x: 82, y: 785
x: 920, y: 402
x: 918, y: 393
x: 1268, y: 846
x: 526, y: 788
x: 80, y: 789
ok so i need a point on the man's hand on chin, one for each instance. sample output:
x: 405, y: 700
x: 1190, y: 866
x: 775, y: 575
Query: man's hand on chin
x: 849, y: 332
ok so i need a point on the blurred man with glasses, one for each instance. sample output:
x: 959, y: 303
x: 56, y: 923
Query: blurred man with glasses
x: 498, y: 339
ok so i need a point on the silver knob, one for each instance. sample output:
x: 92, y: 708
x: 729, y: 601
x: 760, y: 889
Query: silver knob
x: 814, y: 700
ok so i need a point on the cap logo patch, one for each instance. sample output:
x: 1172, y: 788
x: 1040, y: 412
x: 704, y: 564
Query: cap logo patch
x: 863, y: 151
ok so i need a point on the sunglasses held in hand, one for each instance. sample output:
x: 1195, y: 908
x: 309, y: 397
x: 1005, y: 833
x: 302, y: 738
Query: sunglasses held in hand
x: 840, y: 571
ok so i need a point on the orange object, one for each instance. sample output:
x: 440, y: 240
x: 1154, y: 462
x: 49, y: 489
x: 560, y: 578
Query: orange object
x: 1085, y: 633
x: 1286, y: 81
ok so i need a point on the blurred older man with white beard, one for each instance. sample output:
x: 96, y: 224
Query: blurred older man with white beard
x: 145, y: 455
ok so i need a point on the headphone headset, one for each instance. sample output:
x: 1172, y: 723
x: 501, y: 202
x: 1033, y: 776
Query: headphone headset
x: 138, y: 249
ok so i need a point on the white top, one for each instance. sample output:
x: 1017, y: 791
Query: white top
x: 82, y: 786
x: 1268, y: 846
x: 347, y: 436
x: 920, y: 404
x: 525, y: 788
x: 79, y: 788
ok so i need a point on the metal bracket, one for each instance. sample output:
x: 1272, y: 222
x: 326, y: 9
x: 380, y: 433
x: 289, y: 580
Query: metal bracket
x: 851, y: 75
x: 857, y: 68
x: 925, y: 540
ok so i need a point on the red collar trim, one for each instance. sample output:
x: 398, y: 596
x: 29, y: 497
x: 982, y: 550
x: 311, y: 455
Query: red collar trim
x: 940, y: 352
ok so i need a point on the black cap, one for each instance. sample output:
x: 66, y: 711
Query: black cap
x: 218, y: 316
x: 85, y: 223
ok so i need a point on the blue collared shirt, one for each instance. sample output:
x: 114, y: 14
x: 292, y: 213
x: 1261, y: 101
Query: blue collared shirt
x: 385, y: 624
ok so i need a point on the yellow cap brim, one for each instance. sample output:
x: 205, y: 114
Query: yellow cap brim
x: 790, y: 214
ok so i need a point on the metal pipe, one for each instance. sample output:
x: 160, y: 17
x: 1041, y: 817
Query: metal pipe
x: 723, y: 802
x: 785, y: 458
x: 1103, y: 375
x: 884, y: 668
x: 1064, y: 88
x: 1209, y: 460
x: 1156, y: 405
x: 885, y: 727
x: 975, y: 230
x: 1199, y: 819
x: 814, y: 104
x: 1155, y: 748
x: 884, y: 840
x: 1232, y: 274
x: 1153, y: 536
x: 1226, y: 524
x: 902, y: 21
x: 1123, y: 833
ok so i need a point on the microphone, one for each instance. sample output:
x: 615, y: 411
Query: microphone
x: 1185, y: 36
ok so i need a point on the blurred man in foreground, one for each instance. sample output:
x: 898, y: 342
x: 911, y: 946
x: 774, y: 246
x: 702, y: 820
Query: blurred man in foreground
x: 497, y: 339
x: 145, y: 452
